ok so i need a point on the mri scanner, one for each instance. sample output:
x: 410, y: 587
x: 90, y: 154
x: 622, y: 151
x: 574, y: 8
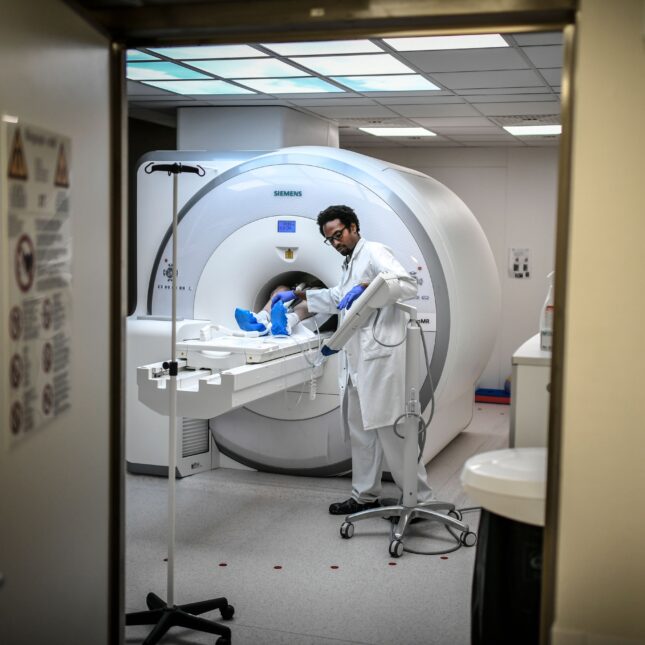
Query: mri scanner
x: 249, y: 225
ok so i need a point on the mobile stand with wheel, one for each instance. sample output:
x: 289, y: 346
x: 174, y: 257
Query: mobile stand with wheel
x: 409, y: 508
x: 164, y: 615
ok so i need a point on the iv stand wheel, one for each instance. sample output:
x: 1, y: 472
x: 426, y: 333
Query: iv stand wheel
x: 468, y: 538
x: 455, y: 513
x: 227, y: 613
x: 396, y: 548
x: 346, y: 530
x: 222, y: 640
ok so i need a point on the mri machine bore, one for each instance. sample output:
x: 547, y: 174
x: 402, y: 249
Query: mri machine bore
x: 249, y: 225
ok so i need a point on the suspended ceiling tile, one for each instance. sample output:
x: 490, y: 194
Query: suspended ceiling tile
x: 501, y: 90
x: 217, y: 102
x: 545, y: 38
x: 450, y: 131
x: 503, y: 109
x: 436, y: 142
x: 452, y: 109
x: 140, y: 89
x: 482, y: 137
x: 355, y: 100
x: 552, y: 76
x: 152, y: 100
x: 549, y: 56
x: 542, y: 143
x: 379, y: 142
x: 467, y: 60
x: 510, y: 78
x: 174, y: 103
x: 418, y: 94
x: 509, y: 98
x: 362, y: 111
x: 493, y: 144
x: 453, y: 121
x: 412, y: 100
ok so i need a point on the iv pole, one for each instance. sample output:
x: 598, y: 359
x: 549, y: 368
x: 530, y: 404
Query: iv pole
x: 164, y: 615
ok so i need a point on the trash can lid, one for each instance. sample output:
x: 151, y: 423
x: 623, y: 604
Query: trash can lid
x: 515, y: 472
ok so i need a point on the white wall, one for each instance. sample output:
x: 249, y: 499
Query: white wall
x: 600, y: 583
x: 512, y: 193
x: 54, y: 485
x: 250, y: 128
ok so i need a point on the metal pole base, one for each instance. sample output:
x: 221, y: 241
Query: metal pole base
x: 187, y: 616
x: 424, y: 511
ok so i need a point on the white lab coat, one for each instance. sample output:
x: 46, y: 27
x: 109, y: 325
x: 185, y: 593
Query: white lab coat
x: 377, y: 372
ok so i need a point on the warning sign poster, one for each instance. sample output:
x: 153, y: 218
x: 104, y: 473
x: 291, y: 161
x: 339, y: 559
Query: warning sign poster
x: 36, y: 245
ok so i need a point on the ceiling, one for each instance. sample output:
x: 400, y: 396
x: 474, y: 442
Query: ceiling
x: 479, y: 91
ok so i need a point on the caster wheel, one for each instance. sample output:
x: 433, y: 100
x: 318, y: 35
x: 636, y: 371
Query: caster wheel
x: 222, y: 640
x: 455, y: 513
x: 346, y: 530
x: 227, y: 613
x: 396, y: 548
x: 468, y: 538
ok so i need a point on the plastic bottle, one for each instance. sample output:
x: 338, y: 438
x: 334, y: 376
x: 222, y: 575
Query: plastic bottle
x: 546, y: 318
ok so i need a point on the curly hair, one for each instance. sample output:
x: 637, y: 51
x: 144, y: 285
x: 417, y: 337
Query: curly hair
x: 344, y: 213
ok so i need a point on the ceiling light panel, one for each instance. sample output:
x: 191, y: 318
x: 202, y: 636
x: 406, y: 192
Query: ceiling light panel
x: 425, y: 43
x: 209, y: 51
x: 248, y: 68
x: 354, y: 65
x: 398, y: 83
x: 303, y: 85
x: 325, y: 47
x: 199, y: 87
x: 161, y: 71
x: 533, y: 130
x: 136, y: 55
x: 399, y: 132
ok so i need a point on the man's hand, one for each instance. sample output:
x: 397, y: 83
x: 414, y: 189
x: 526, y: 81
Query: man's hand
x: 350, y: 296
x: 284, y: 297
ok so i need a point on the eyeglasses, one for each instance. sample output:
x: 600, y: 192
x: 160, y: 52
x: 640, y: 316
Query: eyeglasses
x: 336, y: 236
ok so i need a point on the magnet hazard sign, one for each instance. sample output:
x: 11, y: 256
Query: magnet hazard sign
x: 24, y: 263
x: 36, y: 273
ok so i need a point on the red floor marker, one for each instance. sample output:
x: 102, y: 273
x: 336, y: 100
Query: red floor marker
x: 278, y: 566
x: 392, y: 564
x: 444, y: 557
x: 334, y: 566
x: 223, y: 564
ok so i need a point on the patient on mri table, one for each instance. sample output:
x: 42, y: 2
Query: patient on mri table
x: 277, y: 320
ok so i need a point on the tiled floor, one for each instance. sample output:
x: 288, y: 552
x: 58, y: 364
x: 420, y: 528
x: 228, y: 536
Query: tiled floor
x: 267, y: 543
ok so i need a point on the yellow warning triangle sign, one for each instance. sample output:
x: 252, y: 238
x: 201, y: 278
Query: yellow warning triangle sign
x: 17, y: 162
x: 62, y: 172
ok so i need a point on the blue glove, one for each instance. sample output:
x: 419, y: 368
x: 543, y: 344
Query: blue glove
x: 350, y: 296
x: 247, y: 321
x: 279, y: 325
x: 283, y: 296
x: 328, y: 351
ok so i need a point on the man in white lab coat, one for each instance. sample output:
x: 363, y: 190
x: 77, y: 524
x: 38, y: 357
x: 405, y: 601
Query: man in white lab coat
x: 372, y: 375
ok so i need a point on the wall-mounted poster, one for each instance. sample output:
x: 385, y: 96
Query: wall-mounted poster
x: 36, y: 244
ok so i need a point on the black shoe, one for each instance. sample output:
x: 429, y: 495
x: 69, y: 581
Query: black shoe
x: 350, y: 506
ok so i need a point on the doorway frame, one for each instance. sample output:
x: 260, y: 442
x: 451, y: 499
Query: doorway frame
x: 229, y: 21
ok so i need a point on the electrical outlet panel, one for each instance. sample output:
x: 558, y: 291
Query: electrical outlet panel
x: 519, y: 263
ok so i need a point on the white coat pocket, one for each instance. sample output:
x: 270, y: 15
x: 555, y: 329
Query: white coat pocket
x: 370, y: 349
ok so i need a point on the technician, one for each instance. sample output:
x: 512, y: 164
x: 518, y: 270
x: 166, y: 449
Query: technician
x: 372, y: 375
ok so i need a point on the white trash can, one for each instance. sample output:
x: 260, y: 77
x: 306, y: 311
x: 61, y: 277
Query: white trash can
x: 510, y: 485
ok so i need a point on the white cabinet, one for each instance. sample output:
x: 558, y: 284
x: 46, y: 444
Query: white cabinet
x: 530, y: 395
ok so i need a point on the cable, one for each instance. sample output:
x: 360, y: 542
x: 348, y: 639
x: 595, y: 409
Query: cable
x: 378, y: 314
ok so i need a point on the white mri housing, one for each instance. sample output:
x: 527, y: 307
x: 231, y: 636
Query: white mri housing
x: 249, y: 225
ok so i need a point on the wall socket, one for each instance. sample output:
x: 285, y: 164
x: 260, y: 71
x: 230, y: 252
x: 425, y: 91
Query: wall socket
x: 519, y: 263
